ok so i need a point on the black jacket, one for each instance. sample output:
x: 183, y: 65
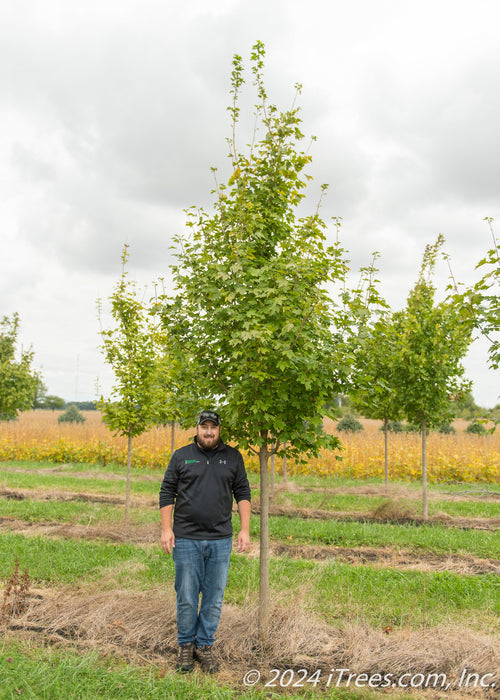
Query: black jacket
x: 202, y: 489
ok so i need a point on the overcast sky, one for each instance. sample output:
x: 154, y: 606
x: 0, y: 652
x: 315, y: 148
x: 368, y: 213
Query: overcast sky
x: 112, y: 113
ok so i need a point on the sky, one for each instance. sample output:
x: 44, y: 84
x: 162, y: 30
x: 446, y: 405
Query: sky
x: 113, y: 112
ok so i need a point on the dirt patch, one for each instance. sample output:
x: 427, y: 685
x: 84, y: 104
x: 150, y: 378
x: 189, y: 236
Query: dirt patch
x: 388, y: 558
x: 395, y: 491
x: 65, y: 496
x: 141, y: 626
x: 396, y: 518
x: 138, y: 534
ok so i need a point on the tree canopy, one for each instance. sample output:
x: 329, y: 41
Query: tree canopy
x: 132, y: 349
x: 434, y: 338
x: 252, y: 318
x: 484, y: 299
x: 18, y: 380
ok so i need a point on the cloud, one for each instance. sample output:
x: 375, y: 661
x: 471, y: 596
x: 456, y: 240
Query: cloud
x: 111, y: 115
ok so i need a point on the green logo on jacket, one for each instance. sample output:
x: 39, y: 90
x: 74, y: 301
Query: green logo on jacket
x: 190, y: 461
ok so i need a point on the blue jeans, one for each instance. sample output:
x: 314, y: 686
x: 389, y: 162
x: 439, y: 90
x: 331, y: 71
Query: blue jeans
x: 201, y: 567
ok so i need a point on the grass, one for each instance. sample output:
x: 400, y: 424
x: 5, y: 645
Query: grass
x: 347, y: 593
x: 291, y: 530
x: 75, y: 511
x: 111, y: 468
x: 411, y: 598
x: 336, y: 592
x: 76, y: 484
x: 52, y: 674
x: 40, y: 673
x: 367, y: 504
x: 430, y: 538
x: 65, y: 561
x: 339, y: 590
x: 61, y: 511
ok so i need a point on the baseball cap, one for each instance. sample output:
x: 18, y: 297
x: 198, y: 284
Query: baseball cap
x: 209, y: 415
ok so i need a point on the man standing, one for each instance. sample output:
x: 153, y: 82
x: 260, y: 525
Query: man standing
x: 201, y: 480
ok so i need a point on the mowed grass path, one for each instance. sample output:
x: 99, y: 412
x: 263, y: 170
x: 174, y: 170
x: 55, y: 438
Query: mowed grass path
x: 339, y: 593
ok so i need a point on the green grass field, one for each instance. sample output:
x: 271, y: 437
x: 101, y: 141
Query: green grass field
x: 404, y: 577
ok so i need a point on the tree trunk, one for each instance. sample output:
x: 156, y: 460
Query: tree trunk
x: 273, y: 475
x: 127, y: 488
x: 284, y: 464
x: 264, y: 596
x: 172, y: 439
x: 425, y: 510
x: 386, y: 457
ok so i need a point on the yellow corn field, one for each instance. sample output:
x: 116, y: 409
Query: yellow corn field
x: 460, y: 457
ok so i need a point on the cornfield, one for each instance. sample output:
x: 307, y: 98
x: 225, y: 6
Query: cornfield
x: 460, y: 457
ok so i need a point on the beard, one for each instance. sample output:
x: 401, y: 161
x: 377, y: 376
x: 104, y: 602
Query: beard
x: 207, y: 443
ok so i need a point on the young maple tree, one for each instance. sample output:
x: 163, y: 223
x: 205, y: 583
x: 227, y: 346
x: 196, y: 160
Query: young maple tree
x: 132, y: 349
x: 433, y: 340
x: 251, y: 321
x: 480, y: 305
x: 374, y: 391
x: 484, y: 299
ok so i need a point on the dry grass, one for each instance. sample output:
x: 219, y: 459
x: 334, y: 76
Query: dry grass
x: 394, y: 511
x: 141, y: 626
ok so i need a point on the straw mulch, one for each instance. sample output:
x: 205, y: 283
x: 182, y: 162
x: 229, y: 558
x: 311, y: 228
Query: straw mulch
x: 141, y: 626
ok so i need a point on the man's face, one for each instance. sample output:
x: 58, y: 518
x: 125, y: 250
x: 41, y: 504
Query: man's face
x: 208, y: 435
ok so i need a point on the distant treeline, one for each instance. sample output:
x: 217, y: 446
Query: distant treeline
x: 53, y: 403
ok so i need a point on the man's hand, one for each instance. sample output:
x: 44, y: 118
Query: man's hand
x: 244, y: 536
x: 168, y: 540
x: 167, y: 534
x: 243, y: 541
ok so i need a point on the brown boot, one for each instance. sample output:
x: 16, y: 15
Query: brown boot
x: 185, y: 658
x: 205, y: 657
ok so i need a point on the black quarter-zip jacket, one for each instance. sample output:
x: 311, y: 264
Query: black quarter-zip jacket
x: 202, y: 488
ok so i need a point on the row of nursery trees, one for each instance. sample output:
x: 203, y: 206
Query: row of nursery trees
x: 263, y: 325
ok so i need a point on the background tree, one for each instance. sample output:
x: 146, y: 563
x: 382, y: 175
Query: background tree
x: 374, y: 341
x: 53, y: 402
x: 18, y: 380
x: 251, y: 322
x: 482, y: 304
x: 468, y: 409
x: 40, y: 393
x: 375, y: 393
x: 71, y: 415
x: 132, y: 349
x: 434, y: 338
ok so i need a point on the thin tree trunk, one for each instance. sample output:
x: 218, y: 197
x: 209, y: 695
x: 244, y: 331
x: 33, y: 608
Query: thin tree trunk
x: 284, y: 464
x: 273, y: 476
x: 264, y: 596
x: 425, y: 510
x: 172, y: 439
x: 127, y: 488
x: 386, y: 457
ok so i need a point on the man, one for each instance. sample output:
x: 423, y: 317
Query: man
x: 201, y: 480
